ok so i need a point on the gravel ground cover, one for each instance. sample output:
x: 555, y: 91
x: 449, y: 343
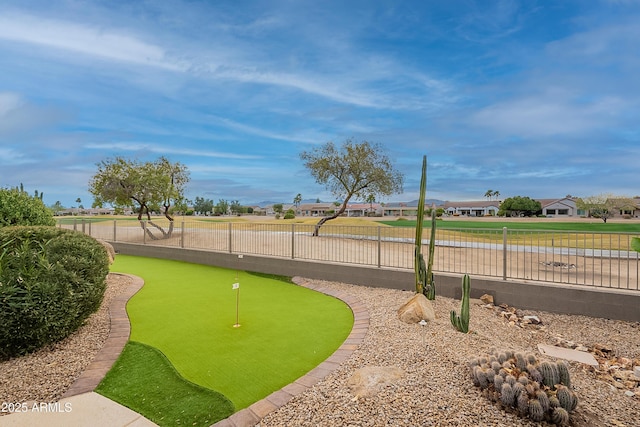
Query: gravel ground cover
x: 435, y: 390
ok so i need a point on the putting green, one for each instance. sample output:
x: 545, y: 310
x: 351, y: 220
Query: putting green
x: 188, y: 312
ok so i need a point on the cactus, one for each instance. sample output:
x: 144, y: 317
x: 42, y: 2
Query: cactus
x: 424, y: 274
x: 497, y: 382
x: 522, y: 379
x: 534, y: 374
x: 461, y: 322
x: 550, y: 375
x: 521, y: 362
x: 536, y: 413
x: 507, y: 396
x: 563, y: 372
x: 430, y: 290
x: 518, y: 389
x: 567, y: 398
x: 522, y: 404
x: 481, y: 377
x: 543, y: 399
x: 537, y: 390
x: 560, y: 416
x: 490, y: 374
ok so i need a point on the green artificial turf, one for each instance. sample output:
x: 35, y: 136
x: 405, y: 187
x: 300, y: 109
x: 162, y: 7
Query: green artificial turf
x: 144, y: 380
x: 188, y: 312
x: 595, y: 226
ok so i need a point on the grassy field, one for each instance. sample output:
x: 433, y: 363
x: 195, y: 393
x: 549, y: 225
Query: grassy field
x: 583, y: 226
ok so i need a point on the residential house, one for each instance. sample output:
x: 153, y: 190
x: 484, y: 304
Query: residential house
x: 559, y: 207
x: 474, y: 209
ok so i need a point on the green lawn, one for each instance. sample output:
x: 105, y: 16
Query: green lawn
x: 187, y: 311
x: 595, y: 226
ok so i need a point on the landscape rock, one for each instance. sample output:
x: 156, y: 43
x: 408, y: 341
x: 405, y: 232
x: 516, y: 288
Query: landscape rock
x: 487, y: 299
x: 369, y: 380
x: 416, y: 309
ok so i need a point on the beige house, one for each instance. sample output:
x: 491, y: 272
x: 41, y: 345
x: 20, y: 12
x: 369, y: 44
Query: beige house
x: 479, y: 208
x: 559, y: 207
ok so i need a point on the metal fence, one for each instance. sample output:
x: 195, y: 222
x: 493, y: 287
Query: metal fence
x: 582, y: 258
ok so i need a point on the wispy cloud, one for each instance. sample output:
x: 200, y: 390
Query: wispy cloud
x: 84, y: 39
x: 166, y: 150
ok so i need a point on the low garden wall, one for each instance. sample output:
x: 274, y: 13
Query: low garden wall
x: 607, y: 303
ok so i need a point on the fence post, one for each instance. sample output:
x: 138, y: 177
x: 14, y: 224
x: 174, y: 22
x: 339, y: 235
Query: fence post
x: 230, y: 248
x: 293, y: 240
x: 114, y: 229
x: 144, y: 232
x: 379, y: 249
x: 90, y: 222
x: 75, y: 224
x: 504, y: 253
x: 82, y: 222
x: 182, y: 234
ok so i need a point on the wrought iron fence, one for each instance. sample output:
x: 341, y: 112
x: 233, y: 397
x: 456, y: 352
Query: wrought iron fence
x: 581, y: 258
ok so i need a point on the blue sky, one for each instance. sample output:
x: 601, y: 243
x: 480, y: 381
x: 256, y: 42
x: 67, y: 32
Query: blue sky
x: 531, y: 98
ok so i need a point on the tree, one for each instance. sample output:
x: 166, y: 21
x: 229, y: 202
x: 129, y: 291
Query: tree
x: 352, y: 170
x: 371, y: 199
x: 203, y: 206
x: 148, y: 185
x: 490, y: 194
x: 278, y: 208
x: 236, y: 208
x: 222, y: 207
x: 605, y: 206
x: 56, y: 207
x: 19, y: 208
x: 297, y: 199
x: 519, y: 206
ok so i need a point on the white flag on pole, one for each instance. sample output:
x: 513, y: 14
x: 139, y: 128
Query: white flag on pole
x: 235, y: 286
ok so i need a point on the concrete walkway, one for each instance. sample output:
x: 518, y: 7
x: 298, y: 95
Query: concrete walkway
x: 87, y: 409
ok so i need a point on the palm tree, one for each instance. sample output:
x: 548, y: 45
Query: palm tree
x: 297, y: 200
x: 496, y: 194
x: 489, y: 194
x: 371, y: 199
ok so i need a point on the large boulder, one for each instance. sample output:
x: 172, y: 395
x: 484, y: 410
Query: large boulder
x: 416, y: 309
x: 369, y: 380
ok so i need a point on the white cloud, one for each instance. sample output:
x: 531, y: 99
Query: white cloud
x: 84, y: 39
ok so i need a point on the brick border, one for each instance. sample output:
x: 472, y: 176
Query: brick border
x: 252, y: 415
x: 119, y: 331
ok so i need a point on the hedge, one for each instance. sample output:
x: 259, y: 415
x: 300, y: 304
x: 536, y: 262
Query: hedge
x: 51, y: 280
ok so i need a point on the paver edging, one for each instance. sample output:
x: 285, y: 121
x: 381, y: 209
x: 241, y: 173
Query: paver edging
x: 249, y: 417
x: 119, y: 331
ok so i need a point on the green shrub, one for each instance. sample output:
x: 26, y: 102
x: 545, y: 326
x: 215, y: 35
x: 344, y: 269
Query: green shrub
x: 51, y: 280
x: 19, y: 208
x: 290, y: 214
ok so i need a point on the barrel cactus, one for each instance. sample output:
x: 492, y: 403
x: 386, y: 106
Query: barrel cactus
x: 539, y: 390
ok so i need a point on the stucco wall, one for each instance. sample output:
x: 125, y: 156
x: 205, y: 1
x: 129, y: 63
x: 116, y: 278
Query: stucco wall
x: 568, y: 299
